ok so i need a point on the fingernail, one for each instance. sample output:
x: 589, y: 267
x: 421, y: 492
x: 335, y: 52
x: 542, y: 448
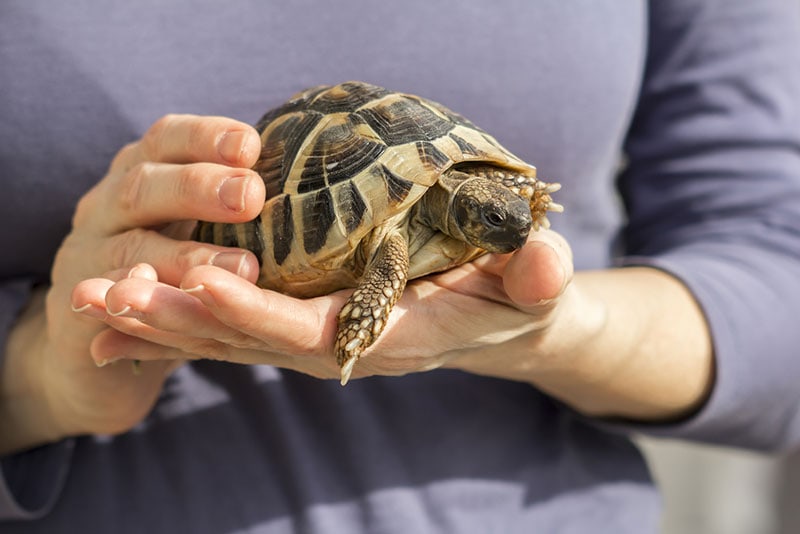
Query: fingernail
x: 106, y: 361
x: 232, y: 193
x: 231, y: 146
x: 142, y: 270
x: 127, y: 311
x: 230, y: 261
x: 90, y: 310
x: 134, y: 270
x: 196, y: 289
x: 199, y: 291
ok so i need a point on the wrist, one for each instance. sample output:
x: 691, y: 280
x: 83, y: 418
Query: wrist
x: 650, y: 359
x: 26, y: 411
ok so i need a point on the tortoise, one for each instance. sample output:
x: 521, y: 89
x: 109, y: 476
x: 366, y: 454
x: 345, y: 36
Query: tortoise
x: 368, y: 188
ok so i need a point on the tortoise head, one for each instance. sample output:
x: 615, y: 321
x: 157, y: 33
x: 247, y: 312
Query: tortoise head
x: 490, y: 216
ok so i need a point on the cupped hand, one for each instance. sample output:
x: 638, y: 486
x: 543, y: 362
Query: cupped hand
x: 471, y: 317
x: 183, y: 168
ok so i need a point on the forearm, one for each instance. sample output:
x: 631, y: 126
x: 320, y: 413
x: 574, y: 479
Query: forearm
x: 626, y: 342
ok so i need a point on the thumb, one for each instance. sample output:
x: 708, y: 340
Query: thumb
x: 540, y: 271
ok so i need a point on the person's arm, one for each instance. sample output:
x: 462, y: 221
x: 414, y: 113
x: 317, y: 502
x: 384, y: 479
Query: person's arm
x: 712, y: 187
x: 712, y: 243
x: 629, y: 343
x: 713, y: 194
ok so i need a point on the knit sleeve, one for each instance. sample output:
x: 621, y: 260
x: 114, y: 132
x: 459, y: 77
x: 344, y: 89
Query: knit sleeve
x: 30, y: 481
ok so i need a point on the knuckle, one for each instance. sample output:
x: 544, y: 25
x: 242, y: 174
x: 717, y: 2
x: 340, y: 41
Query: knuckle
x: 84, y: 208
x: 188, y: 181
x: 125, y: 157
x: 198, y: 134
x: 154, y: 136
x: 132, y: 191
x: 127, y: 249
x: 184, y: 255
x: 188, y: 254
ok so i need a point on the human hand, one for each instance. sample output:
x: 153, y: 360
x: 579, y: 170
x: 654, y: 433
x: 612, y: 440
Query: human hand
x: 454, y: 318
x: 627, y: 342
x: 183, y: 168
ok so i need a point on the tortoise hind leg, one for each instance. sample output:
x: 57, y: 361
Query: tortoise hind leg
x: 364, y: 315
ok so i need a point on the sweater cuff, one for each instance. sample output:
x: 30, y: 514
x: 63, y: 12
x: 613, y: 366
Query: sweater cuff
x: 31, y: 481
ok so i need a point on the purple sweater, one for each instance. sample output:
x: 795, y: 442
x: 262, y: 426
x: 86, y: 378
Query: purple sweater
x: 699, y: 96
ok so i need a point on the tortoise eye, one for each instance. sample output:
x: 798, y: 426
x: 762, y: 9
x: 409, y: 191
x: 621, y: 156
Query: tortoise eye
x: 494, y: 218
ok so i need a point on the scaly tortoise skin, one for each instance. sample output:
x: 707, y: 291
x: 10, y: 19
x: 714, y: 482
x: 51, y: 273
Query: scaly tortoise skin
x: 369, y: 188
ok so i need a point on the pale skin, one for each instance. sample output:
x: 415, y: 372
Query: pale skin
x: 127, y: 286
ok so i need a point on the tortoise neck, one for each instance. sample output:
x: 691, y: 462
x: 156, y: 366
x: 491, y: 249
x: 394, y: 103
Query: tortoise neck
x: 436, y: 207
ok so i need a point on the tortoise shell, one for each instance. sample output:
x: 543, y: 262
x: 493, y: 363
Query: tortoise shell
x: 339, y: 162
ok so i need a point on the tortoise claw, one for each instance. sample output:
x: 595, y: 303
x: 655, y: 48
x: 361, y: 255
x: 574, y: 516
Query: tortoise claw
x: 365, y: 313
x: 347, y: 370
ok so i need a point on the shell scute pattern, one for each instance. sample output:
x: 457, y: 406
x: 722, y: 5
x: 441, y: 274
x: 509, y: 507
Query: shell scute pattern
x: 344, y: 146
x: 339, y: 160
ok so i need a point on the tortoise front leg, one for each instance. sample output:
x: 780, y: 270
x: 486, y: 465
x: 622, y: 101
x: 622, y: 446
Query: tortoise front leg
x: 365, y: 313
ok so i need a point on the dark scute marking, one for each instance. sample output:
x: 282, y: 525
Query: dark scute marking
x: 282, y: 229
x: 347, y: 97
x: 280, y: 149
x: 465, y: 146
x: 216, y: 233
x: 295, y: 104
x: 318, y: 216
x: 203, y: 232
x: 451, y: 115
x: 313, y: 177
x: 229, y: 237
x: 255, y: 241
x: 432, y: 157
x: 403, y: 120
x: 338, y: 154
x: 351, y: 206
x: 396, y: 186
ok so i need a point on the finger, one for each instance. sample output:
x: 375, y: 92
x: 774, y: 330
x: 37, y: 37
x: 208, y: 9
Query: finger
x: 156, y: 254
x: 282, y: 323
x: 536, y: 274
x: 152, y: 194
x: 167, y: 309
x: 175, y: 325
x: 92, y: 297
x: 113, y: 346
x: 193, y: 138
x: 171, y: 259
x: 88, y: 297
x: 140, y: 270
x: 121, y: 341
